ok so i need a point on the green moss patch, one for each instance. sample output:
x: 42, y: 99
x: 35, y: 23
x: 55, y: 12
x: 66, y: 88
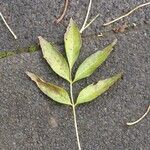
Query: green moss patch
x: 29, y: 49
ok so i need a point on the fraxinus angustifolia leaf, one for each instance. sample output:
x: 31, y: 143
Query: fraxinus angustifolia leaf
x: 57, y: 93
x: 73, y: 42
x: 55, y: 59
x: 92, y: 91
x: 91, y: 63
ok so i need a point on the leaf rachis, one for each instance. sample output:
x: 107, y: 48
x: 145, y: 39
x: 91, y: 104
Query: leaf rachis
x: 63, y: 68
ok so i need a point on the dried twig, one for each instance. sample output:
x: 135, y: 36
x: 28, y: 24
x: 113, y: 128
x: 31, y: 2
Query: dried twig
x: 87, y: 15
x: 127, y: 14
x: 90, y: 22
x: 64, y: 11
x: 132, y: 123
x: 8, y: 26
x: 85, y: 25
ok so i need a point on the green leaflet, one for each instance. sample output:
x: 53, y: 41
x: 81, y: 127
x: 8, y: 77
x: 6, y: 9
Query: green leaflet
x: 55, y: 59
x: 73, y: 42
x: 58, y: 94
x: 92, y: 62
x: 92, y: 91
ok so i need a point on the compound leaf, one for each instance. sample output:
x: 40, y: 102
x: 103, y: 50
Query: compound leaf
x: 73, y: 42
x: 55, y: 59
x: 92, y: 91
x: 57, y: 93
x: 92, y: 62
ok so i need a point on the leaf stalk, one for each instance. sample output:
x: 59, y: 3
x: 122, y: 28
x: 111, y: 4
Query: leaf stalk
x: 74, y: 114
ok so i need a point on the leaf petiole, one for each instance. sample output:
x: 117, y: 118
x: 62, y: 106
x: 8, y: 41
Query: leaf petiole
x: 74, y: 113
x: 76, y: 127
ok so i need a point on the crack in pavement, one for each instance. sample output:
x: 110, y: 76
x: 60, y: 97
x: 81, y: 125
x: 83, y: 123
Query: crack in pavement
x: 104, y: 34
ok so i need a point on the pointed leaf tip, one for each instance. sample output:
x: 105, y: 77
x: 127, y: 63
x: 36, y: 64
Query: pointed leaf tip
x: 72, y: 39
x: 28, y: 73
x: 39, y: 37
x: 71, y: 20
x: 55, y: 59
x: 31, y: 75
x: 56, y: 93
x: 94, y: 90
x: 114, y: 42
x: 91, y: 63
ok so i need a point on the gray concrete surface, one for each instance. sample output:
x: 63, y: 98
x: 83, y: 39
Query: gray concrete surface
x: 29, y: 120
x: 29, y: 19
